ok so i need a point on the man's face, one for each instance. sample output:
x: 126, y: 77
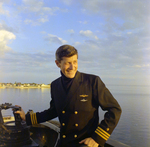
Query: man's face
x: 68, y: 66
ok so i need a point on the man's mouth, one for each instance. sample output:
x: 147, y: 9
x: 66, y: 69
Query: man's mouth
x: 70, y: 72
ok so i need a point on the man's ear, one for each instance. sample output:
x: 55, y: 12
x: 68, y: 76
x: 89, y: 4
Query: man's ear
x: 57, y: 63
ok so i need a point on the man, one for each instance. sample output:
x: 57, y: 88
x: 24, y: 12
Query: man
x: 76, y: 98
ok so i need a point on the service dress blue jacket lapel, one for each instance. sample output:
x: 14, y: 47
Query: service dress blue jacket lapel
x: 62, y: 99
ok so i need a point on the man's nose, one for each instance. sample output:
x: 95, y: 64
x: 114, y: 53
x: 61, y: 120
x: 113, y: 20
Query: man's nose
x: 71, y: 66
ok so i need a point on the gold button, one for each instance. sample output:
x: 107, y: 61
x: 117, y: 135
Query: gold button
x: 75, y: 136
x: 63, y: 124
x: 107, y: 129
x: 63, y: 112
x: 64, y: 136
x: 76, y: 125
x: 75, y: 112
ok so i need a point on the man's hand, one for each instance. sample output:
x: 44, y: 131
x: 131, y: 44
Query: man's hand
x: 22, y: 113
x: 89, y: 142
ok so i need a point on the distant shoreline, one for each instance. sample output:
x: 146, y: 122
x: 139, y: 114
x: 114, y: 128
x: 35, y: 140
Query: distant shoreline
x: 25, y: 87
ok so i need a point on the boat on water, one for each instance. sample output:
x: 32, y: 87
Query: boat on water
x: 15, y: 133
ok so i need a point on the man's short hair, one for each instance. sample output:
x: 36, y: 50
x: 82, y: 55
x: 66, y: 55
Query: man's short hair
x: 65, y: 51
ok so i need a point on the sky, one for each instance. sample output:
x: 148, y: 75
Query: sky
x: 112, y: 38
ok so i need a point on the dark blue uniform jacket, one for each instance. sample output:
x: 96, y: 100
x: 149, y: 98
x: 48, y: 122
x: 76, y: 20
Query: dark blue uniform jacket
x: 78, y: 110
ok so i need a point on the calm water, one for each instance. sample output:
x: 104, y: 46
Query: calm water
x: 133, y: 128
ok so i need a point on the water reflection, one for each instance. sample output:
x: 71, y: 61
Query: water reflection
x: 129, y: 89
x: 133, y: 128
x: 36, y: 99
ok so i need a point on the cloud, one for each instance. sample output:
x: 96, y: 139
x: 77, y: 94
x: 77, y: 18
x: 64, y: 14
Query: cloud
x: 37, y: 21
x: 36, y: 11
x: 43, y: 20
x: 141, y: 66
x: 125, y: 7
x: 68, y: 2
x: 112, y: 37
x: 71, y: 31
x: 127, y: 14
x: 19, y: 61
x: 38, y: 7
x: 3, y: 26
x: 54, y: 39
x: 83, y: 22
x: 114, y: 53
x: 88, y: 33
x: 2, y: 10
x: 5, y: 38
x: 28, y: 67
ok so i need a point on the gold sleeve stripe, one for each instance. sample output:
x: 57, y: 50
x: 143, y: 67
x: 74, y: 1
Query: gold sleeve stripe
x: 105, y: 136
x: 33, y: 118
x: 102, y: 133
x: 100, y: 129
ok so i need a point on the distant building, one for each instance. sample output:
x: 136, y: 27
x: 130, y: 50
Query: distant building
x: 45, y: 86
x: 25, y: 85
x: 2, y: 85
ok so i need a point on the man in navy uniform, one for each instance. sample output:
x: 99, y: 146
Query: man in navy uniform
x: 76, y: 98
